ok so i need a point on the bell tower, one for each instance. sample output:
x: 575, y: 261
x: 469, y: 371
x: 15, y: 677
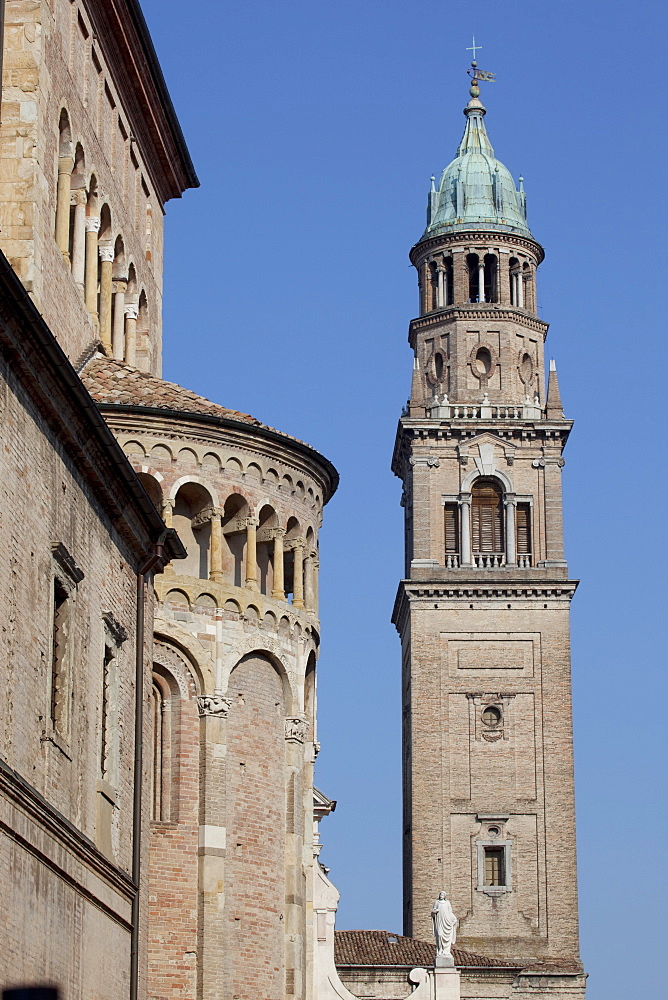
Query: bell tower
x: 483, y: 611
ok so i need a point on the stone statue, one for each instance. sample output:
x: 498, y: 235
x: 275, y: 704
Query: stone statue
x: 445, y: 929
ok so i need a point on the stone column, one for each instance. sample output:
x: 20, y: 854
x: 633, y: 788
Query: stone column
x: 441, y: 286
x: 298, y: 575
x: 63, y: 192
x: 520, y: 289
x: 106, y: 266
x: 118, y: 334
x: 481, y: 278
x: 446, y: 290
x: 79, y: 239
x: 308, y: 582
x: 251, y: 553
x: 131, y: 313
x: 511, y: 547
x: 316, y: 583
x: 278, y: 589
x: 216, y: 570
x: 90, y: 272
x: 465, y: 527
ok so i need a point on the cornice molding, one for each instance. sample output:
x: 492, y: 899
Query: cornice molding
x: 471, y: 588
x: 487, y: 312
x: 125, y: 42
x: 469, y: 237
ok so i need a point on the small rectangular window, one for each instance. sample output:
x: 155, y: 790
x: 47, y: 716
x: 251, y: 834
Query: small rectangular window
x: 494, y: 862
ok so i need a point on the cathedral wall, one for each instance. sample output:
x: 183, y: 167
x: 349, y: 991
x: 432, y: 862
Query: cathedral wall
x: 72, y: 538
x: 47, y: 502
x: 39, y: 908
x: 52, y: 65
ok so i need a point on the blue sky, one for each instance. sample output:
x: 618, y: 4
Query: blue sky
x: 314, y: 129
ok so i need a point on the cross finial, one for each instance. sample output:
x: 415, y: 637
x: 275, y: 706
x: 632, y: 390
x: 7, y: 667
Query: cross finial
x: 472, y: 48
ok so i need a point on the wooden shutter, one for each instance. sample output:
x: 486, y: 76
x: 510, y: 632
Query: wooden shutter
x: 451, y: 528
x: 494, y: 866
x: 487, y: 518
x: 523, y: 530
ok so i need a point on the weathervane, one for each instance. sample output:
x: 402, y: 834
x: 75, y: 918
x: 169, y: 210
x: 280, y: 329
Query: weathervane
x: 477, y: 75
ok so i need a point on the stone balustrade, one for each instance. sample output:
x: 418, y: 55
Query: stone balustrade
x: 484, y: 411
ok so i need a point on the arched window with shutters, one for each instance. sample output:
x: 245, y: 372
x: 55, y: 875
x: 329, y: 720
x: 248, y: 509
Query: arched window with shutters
x: 487, y: 527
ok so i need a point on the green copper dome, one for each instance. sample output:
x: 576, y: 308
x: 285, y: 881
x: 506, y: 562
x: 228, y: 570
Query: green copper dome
x: 476, y: 190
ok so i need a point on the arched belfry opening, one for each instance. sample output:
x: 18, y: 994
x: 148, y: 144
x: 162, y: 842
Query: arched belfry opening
x: 487, y: 534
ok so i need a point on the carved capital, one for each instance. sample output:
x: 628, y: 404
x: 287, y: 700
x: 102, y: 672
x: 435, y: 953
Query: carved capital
x: 428, y: 460
x: 205, y: 516
x: 106, y: 254
x: 92, y: 224
x: 131, y: 311
x: 213, y: 704
x: 296, y: 728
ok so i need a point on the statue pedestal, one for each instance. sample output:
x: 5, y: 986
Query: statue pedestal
x: 446, y: 983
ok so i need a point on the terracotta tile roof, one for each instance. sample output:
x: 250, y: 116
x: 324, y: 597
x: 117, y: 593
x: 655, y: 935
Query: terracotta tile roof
x: 113, y: 382
x: 383, y: 948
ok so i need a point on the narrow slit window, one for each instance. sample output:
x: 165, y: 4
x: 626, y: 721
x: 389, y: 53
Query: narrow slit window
x: 105, y: 748
x: 59, y: 656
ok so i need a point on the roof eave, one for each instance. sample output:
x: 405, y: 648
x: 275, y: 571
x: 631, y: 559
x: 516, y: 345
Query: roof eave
x: 123, y: 36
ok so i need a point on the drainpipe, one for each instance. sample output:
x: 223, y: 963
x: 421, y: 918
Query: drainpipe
x: 157, y: 559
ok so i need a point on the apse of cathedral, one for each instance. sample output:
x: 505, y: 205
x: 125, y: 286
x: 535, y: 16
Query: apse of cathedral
x: 160, y: 564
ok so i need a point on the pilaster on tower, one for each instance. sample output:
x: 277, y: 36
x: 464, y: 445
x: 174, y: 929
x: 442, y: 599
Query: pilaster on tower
x: 483, y: 611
